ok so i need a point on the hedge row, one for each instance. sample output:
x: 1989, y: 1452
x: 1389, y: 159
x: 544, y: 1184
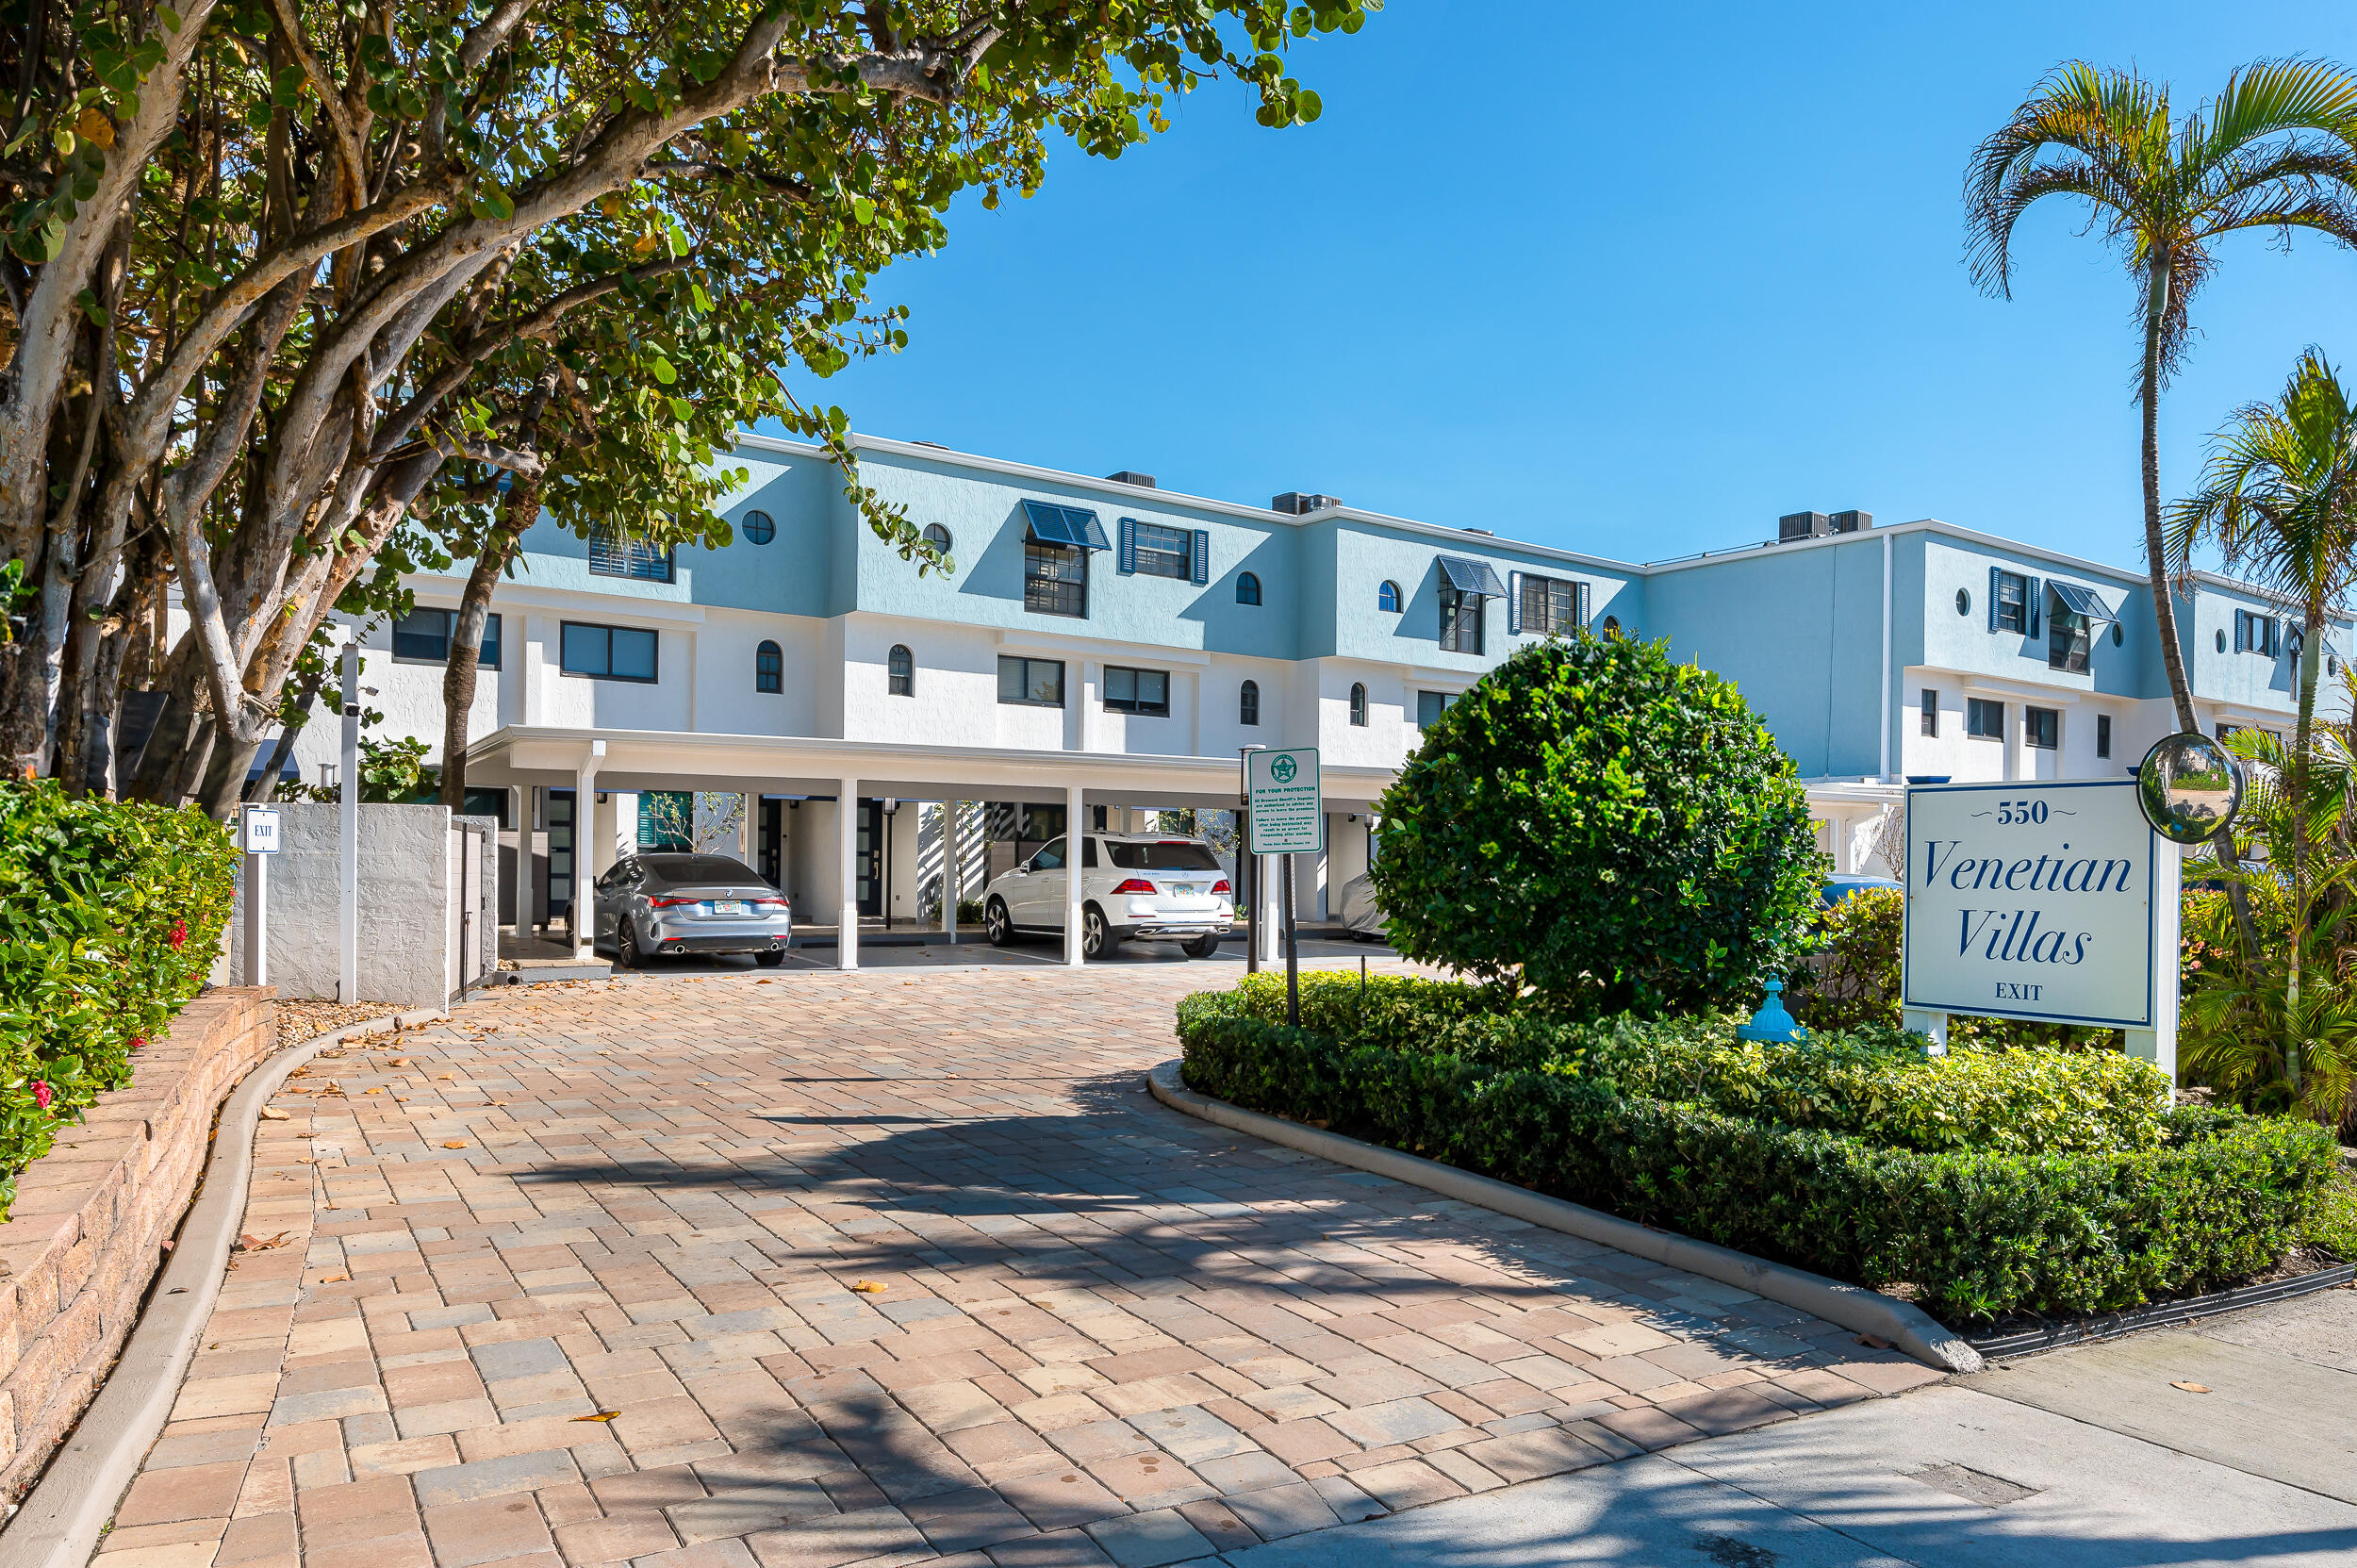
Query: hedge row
x: 1977, y: 1233
x: 110, y: 915
x: 1874, y: 1083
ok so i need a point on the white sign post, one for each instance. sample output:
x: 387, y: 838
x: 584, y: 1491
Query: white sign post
x: 2054, y: 901
x: 258, y: 835
x: 1288, y: 818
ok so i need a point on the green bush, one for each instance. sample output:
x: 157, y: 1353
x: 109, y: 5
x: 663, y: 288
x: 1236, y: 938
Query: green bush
x: 111, y: 914
x: 1976, y: 1232
x: 1874, y: 1083
x: 1616, y: 830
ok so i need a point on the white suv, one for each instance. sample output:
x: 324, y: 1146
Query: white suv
x: 1157, y: 887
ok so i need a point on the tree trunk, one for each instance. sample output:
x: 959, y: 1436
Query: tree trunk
x: 265, y: 789
x: 2157, y: 284
x: 519, y: 510
x: 2313, y: 628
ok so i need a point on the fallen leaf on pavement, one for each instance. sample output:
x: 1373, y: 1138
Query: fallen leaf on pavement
x: 455, y: 1144
x: 602, y: 1416
x: 2190, y: 1388
x: 447, y: 1077
x: 401, y: 1062
x: 251, y: 1243
x: 271, y: 1114
x: 336, y: 1280
x: 869, y: 1287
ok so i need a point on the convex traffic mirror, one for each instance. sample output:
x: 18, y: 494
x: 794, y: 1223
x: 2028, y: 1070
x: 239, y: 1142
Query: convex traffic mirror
x: 2190, y: 787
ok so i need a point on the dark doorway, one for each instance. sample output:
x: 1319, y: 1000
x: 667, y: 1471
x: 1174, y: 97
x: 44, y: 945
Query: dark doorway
x: 769, y: 841
x: 558, y: 901
x: 870, y: 857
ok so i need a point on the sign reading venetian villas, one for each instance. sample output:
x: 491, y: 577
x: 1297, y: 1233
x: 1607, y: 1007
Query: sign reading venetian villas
x: 2032, y: 900
x: 1288, y: 811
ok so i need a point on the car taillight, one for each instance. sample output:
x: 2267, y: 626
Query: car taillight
x: 780, y: 903
x: 1135, y: 885
x: 1221, y: 887
x: 670, y: 903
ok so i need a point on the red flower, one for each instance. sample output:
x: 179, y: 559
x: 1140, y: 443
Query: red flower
x: 41, y: 1093
x: 179, y: 933
x: 137, y: 1040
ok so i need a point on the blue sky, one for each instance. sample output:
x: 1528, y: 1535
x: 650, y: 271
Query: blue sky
x: 1632, y: 280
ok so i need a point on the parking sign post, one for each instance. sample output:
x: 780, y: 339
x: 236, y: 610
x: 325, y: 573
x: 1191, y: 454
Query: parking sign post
x: 1247, y: 867
x: 1288, y: 819
x: 258, y: 835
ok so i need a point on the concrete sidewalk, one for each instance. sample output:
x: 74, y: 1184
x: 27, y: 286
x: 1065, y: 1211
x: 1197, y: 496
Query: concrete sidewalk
x: 2090, y: 1459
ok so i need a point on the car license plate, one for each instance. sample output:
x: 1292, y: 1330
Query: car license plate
x: 731, y: 906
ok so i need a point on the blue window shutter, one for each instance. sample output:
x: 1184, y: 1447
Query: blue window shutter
x: 1129, y: 544
x: 1580, y: 609
x: 2032, y: 597
x: 1514, y: 604
x: 1995, y: 575
x: 1202, y: 556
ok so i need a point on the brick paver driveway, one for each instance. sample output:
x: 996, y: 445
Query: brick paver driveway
x: 882, y: 1268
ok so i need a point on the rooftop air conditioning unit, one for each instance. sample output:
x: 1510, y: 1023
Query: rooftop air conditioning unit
x: 1131, y: 476
x: 1803, y: 525
x: 1853, y: 522
x: 1302, y: 503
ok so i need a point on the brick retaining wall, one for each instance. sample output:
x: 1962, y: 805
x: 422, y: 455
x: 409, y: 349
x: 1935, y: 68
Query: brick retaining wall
x: 84, y: 1235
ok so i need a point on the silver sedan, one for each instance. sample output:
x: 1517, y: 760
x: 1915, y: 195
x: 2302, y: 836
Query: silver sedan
x: 689, y: 903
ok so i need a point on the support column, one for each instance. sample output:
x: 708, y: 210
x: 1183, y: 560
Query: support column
x: 1073, y: 831
x: 527, y: 886
x: 950, y: 849
x: 847, y: 843
x: 2158, y: 1045
x: 585, y: 910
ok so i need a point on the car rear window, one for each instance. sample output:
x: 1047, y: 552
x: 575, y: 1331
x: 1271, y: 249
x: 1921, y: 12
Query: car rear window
x: 1171, y: 854
x: 679, y: 869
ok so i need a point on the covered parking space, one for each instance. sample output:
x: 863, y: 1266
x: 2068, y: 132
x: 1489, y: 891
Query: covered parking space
x: 825, y: 776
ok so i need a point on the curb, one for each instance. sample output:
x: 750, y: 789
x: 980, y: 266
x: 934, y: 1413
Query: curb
x: 1906, y: 1325
x: 63, y: 1516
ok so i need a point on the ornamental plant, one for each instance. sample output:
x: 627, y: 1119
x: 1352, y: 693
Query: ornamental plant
x: 1606, y: 826
x: 110, y: 915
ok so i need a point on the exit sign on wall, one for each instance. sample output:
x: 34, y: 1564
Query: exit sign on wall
x: 2031, y: 901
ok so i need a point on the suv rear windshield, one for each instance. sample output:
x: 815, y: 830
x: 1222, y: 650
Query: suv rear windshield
x: 1171, y: 854
x: 679, y: 869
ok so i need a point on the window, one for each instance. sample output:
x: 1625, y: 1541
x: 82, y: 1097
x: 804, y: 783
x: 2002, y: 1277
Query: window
x: 1552, y: 604
x: 423, y: 636
x: 1137, y: 690
x: 1031, y: 683
x: 1460, y: 620
x: 1387, y: 598
x: 2221, y: 639
x: 901, y: 670
x: 2041, y: 728
x: 2067, y: 636
x: 1176, y: 854
x: 2012, y: 609
x: 1984, y: 720
x: 1055, y: 578
x: 1964, y: 602
x: 2103, y: 735
x: 1611, y: 626
x: 1359, y: 704
x: 768, y: 667
x: 620, y: 557
x: 760, y: 527
x: 1931, y: 712
x: 2120, y: 634
x: 1049, y: 857
x: 938, y: 537
x: 2258, y: 633
x: 1247, y: 588
x: 606, y: 653
x: 1162, y: 551
x: 1430, y: 705
x: 1249, y: 703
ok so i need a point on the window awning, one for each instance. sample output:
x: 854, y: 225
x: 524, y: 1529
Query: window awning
x: 1467, y: 575
x: 2079, y: 601
x: 1065, y: 525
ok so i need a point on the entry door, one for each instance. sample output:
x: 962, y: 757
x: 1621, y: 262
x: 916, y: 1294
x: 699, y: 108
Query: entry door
x: 871, y: 858
x: 771, y: 839
x: 559, y: 902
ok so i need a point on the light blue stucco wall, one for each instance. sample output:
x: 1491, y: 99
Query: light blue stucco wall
x: 1964, y: 642
x: 1364, y: 555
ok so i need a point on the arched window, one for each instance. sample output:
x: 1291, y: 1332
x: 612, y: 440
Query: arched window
x: 1387, y: 598
x: 1247, y: 588
x: 900, y: 667
x: 760, y: 527
x: 1611, y: 626
x: 1359, y: 704
x: 768, y: 667
x: 937, y: 536
x: 1249, y: 703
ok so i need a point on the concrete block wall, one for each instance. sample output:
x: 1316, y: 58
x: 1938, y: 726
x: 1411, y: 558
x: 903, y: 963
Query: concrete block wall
x: 85, y: 1233
x: 407, y: 886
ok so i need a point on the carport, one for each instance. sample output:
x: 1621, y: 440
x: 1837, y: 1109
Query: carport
x: 530, y: 758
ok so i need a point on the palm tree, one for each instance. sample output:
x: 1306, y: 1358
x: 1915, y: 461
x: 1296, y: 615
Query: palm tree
x: 2279, y: 499
x: 2275, y: 150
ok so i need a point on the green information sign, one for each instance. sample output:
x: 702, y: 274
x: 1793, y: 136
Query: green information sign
x: 1288, y: 806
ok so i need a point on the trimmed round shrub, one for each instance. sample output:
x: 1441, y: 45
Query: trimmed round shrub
x: 1616, y: 829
